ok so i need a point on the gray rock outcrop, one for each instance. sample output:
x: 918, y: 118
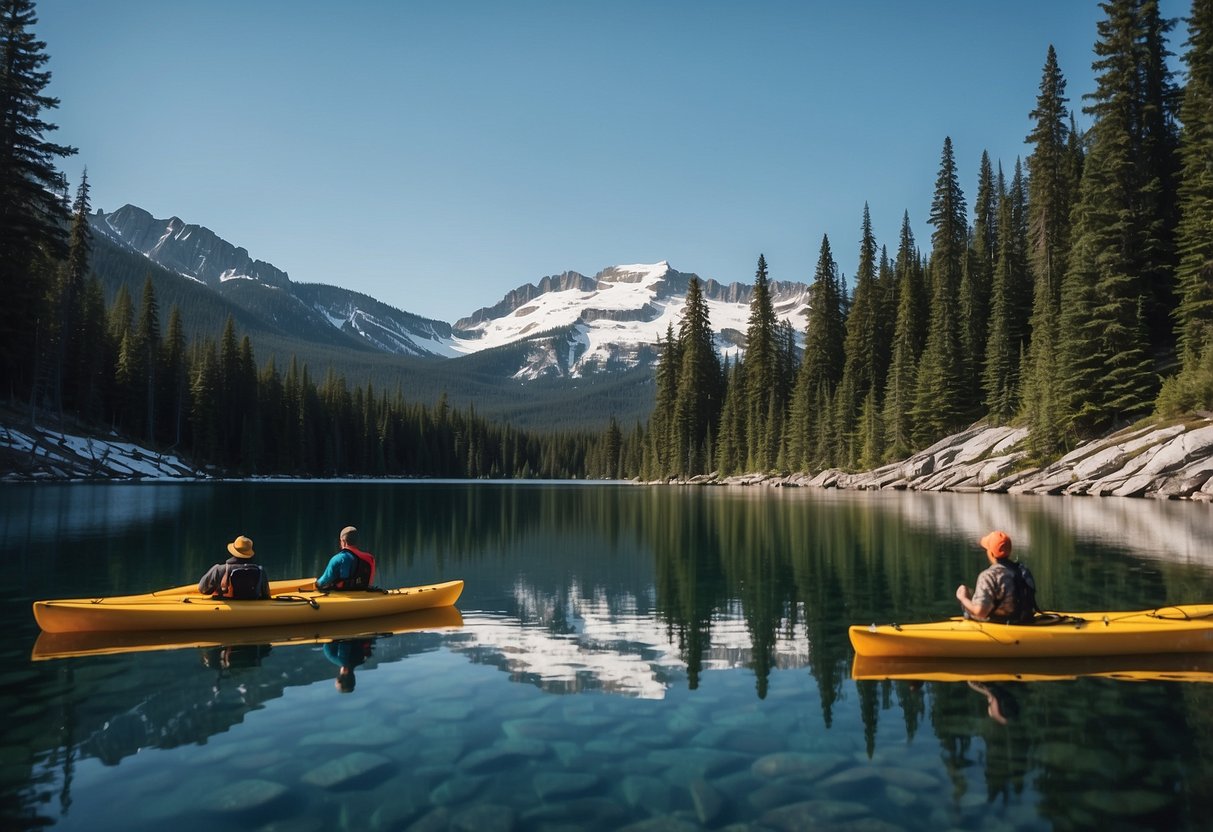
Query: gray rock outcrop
x: 1166, y: 461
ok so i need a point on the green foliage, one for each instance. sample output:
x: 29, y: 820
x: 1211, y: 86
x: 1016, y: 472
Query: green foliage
x: 1122, y: 247
x: 1194, y: 236
x: 1191, y: 388
x: 1053, y: 173
x: 33, y: 214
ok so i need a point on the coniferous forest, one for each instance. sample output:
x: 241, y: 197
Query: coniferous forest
x: 1078, y: 298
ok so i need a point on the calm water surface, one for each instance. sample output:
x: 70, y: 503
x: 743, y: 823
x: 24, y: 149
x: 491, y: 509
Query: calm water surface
x: 628, y: 657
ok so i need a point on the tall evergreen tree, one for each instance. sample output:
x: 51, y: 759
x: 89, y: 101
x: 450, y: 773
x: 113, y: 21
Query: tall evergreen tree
x: 822, y: 366
x: 761, y: 369
x: 1052, y: 186
x: 1194, y: 313
x: 977, y: 279
x: 663, y: 424
x: 72, y: 347
x: 147, y: 341
x: 1122, y: 247
x: 859, y: 374
x: 698, y: 394
x: 32, y: 216
x: 908, y: 340
x: 1008, y: 329
x: 939, y: 405
x: 175, y: 379
x: 731, y: 445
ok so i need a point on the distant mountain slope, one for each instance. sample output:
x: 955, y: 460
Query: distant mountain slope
x: 567, y: 341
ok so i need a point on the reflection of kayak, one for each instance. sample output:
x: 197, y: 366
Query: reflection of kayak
x: 1180, y: 629
x: 1170, y: 667
x: 64, y: 645
x: 182, y: 608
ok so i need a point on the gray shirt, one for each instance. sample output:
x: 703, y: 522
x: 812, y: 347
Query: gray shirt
x: 996, y: 586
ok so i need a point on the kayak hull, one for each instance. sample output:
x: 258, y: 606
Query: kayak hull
x: 1167, y: 667
x: 182, y: 608
x: 1179, y: 629
x: 106, y: 643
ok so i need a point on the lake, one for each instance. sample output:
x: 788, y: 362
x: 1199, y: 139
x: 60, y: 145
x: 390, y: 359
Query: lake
x: 650, y: 658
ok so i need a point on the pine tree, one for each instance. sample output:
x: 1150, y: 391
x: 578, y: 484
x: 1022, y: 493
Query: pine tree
x: 977, y: 280
x: 859, y: 375
x: 174, y: 379
x: 1053, y: 172
x: 663, y: 424
x: 939, y: 404
x: 761, y: 369
x: 205, y: 417
x: 1008, y: 329
x: 908, y: 340
x: 730, y: 447
x: 70, y: 298
x: 1194, y: 313
x: 1122, y: 247
x: 822, y: 366
x: 698, y: 395
x: 147, y: 341
x: 32, y: 216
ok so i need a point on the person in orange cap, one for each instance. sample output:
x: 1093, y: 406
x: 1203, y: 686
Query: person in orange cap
x: 1005, y: 591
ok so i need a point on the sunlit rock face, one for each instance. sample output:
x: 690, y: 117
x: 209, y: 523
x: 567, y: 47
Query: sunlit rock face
x: 1163, y: 461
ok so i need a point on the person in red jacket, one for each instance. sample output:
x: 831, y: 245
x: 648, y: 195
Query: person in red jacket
x: 350, y: 568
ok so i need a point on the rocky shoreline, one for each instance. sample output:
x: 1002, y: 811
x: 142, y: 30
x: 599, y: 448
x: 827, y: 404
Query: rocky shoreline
x: 1172, y: 460
x: 1165, y: 461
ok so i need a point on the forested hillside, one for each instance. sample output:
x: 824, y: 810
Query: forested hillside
x: 1079, y: 299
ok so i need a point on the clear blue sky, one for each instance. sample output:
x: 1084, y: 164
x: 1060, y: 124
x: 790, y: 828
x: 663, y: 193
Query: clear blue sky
x: 437, y: 154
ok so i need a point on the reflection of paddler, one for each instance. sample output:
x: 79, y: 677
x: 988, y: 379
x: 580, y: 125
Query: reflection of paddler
x: 1000, y: 704
x: 235, y: 656
x: 347, y: 654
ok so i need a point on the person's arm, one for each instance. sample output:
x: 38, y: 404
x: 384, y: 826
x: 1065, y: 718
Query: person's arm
x: 331, y: 572
x: 207, y: 585
x: 980, y: 604
x: 265, y: 585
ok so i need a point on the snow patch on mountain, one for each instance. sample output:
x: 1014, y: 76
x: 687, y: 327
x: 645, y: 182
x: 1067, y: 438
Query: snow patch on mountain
x: 622, y: 318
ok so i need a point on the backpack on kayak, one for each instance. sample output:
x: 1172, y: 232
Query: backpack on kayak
x: 241, y: 582
x: 1025, y: 593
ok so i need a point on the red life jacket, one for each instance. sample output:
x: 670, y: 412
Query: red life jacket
x: 363, y: 574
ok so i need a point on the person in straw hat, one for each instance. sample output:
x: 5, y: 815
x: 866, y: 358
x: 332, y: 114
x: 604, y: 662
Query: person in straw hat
x: 238, y: 577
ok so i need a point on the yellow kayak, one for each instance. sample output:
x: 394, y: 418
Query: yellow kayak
x: 104, y: 643
x: 182, y: 608
x: 1170, y: 667
x: 1178, y: 629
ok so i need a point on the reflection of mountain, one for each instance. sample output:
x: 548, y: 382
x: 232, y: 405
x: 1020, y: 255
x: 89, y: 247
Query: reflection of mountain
x: 575, y: 642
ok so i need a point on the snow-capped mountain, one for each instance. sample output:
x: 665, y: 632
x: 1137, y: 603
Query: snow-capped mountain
x: 613, y: 319
x: 563, y: 326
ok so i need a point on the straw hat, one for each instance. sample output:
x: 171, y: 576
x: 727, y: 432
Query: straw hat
x: 241, y: 547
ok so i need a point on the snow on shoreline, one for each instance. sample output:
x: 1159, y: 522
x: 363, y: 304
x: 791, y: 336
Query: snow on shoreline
x: 43, y: 454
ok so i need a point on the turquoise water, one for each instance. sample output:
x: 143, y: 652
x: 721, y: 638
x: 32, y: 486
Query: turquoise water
x: 628, y: 657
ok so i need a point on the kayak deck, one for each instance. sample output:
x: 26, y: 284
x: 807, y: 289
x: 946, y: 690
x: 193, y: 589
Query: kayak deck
x: 104, y: 643
x: 182, y: 608
x: 1176, y: 629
